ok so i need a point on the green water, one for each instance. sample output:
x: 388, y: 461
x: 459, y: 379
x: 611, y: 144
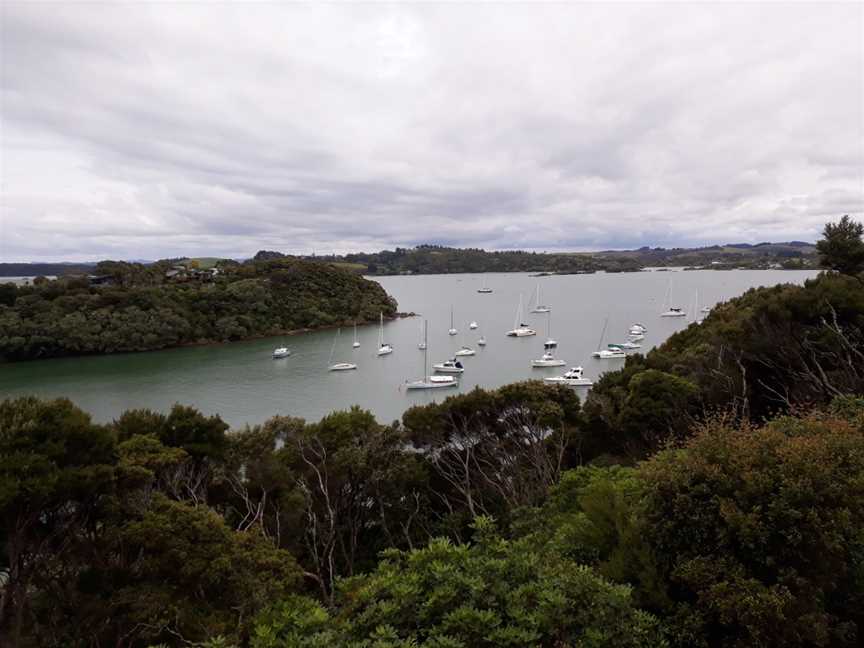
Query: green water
x: 243, y: 384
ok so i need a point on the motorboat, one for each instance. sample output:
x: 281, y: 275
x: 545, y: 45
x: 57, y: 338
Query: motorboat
x: 481, y: 341
x: 281, y: 352
x: 430, y: 381
x: 484, y: 289
x: 473, y: 326
x: 638, y: 329
x: 574, y: 378
x: 625, y: 345
x: 539, y: 307
x: 636, y: 337
x: 342, y: 366
x: 383, y: 347
x: 465, y: 351
x: 548, y: 360
x: 674, y: 312
x: 449, y: 366
x: 609, y: 354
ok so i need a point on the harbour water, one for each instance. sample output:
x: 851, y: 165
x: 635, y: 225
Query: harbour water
x: 243, y: 384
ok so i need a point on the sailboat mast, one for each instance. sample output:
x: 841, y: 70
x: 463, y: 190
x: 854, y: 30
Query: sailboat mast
x: 603, y: 333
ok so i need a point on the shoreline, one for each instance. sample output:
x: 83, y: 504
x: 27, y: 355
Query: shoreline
x: 208, y: 343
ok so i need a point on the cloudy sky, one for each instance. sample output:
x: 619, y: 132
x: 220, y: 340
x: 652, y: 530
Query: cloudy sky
x: 167, y: 129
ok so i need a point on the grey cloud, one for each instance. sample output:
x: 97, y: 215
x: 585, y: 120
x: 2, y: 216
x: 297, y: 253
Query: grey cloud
x: 166, y: 129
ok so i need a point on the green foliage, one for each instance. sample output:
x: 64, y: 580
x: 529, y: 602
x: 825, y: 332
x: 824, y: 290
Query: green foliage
x: 493, y: 592
x: 759, y: 532
x: 842, y: 247
x: 143, y: 309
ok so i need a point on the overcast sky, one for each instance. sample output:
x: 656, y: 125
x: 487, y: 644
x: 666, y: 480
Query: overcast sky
x: 169, y: 129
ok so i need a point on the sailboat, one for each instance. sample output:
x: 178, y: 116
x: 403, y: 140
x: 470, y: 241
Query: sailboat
x: 482, y: 341
x: 452, y: 330
x: 574, y: 378
x: 429, y: 381
x: 548, y: 359
x: 520, y: 329
x: 356, y: 341
x: 538, y: 306
x: 339, y: 366
x: 473, y: 326
x: 607, y: 354
x: 383, y: 347
x: 422, y: 343
x: 673, y: 311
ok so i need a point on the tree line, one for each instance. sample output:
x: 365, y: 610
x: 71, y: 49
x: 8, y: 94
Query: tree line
x: 142, y: 309
x: 709, y: 494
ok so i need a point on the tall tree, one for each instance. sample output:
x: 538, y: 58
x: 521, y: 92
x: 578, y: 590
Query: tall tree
x: 842, y: 248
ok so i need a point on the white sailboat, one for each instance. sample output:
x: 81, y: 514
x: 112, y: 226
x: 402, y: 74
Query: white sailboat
x: 473, y: 326
x: 607, y: 354
x: 428, y: 381
x: 520, y: 329
x: 574, y: 378
x: 548, y: 358
x: 422, y: 343
x: 482, y: 341
x: 339, y: 366
x: 383, y: 347
x: 539, y: 307
x: 452, y: 330
x: 672, y: 311
x: 356, y: 343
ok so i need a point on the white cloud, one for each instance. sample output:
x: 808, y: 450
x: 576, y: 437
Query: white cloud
x: 155, y: 130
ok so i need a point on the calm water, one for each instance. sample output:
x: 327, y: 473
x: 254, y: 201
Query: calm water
x: 241, y: 382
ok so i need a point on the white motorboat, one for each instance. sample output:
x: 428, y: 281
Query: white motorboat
x: 636, y: 337
x: 637, y: 329
x: 473, y: 326
x: 539, y: 307
x: 281, y: 352
x: 547, y: 360
x: 339, y: 366
x: 706, y: 309
x: 383, y: 347
x: 481, y: 341
x: 356, y: 342
x: 609, y: 354
x: 520, y: 329
x: 574, y: 378
x: 430, y: 381
x: 465, y: 351
x: 452, y: 330
x: 625, y: 345
x: 449, y: 366
x: 673, y: 312
x: 342, y: 366
x: 484, y: 289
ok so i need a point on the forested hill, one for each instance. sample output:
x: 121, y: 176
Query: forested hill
x: 432, y: 259
x: 134, y: 307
